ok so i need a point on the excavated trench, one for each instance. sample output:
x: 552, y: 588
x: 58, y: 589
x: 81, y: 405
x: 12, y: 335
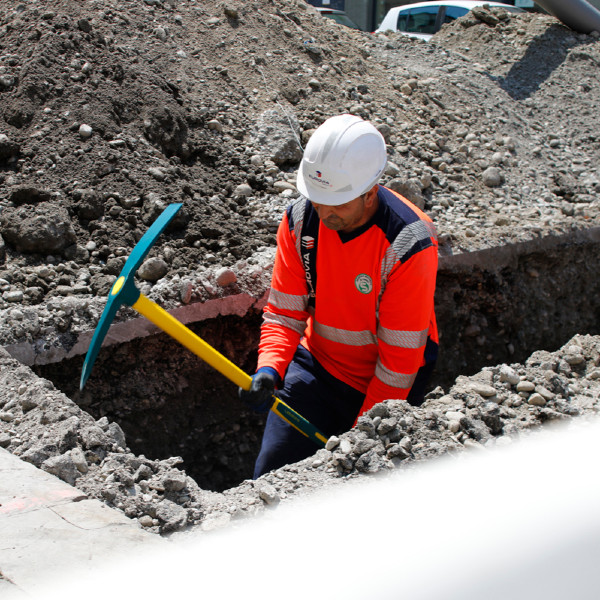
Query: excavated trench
x: 494, y: 306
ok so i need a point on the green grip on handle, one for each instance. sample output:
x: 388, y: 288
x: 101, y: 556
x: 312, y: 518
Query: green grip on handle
x: 281, y: 409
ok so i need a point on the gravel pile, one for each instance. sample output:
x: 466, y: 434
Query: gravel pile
x: 491, y: 408
x: 111, y: 109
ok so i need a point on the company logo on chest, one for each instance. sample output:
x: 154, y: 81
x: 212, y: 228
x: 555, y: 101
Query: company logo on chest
x: 363, y: 283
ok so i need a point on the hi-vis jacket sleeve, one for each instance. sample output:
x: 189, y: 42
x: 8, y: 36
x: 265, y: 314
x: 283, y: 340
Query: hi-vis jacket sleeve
x: 286, y: 312
x: 406, y: 320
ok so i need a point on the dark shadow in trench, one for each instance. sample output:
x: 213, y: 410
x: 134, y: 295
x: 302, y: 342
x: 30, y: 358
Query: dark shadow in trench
x: 170, y: 403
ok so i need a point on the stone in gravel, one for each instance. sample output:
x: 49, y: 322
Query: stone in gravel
x: 29, y: 194
x: 117, y: 434
x: 386, y: 426
x: 332, y: 442
x: 144, y: 472
x: 410, y: 189
x: 146, y: 521
x: 525, y: 386
x: 4, y: 440
x: 85, y: 131
x: 174, y: 480
x: 365, y: 424
x: 453, y: 415
x: 6, y: 416
x: 276, y: 134
x: 469, y: 443
x: 41, y: 228
x: 476, y: 429
x: 492, y: 177
x: 215, y: 125
x: 67, y: 432
x: 370, y: 462
x: 225, y: 277
x: 171, y: 515
x: 79, y: 460
x: 574, y: 358
x: 345, y: 446
x: 243, y: 190
x: 363, y: 446
x: 215, y: 521
x: 35, y: 455
x: 13, y: 296
x: 153, y: 269
x: 545, y: 392
x: 490, y: 414
x: 93, y: 436
x: 398, y: 452
x: 536, y: 400
x: 508, y: 374
x: 267, y: 493
x: 484, y: 390
x: 63, y: 467
x: 158, y: 173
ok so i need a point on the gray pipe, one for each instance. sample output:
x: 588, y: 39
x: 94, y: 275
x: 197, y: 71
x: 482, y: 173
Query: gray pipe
x: 576, y: 14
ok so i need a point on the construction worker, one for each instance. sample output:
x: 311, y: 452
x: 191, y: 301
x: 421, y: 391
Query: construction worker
x: 350, y: 318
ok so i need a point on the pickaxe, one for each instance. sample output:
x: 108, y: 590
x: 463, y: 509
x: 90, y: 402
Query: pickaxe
x: 124, y: 291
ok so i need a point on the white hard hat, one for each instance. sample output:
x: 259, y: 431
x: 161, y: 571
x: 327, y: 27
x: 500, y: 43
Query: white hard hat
x: 344, y: 158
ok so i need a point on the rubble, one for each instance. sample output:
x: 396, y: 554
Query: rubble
x: 491, y: 408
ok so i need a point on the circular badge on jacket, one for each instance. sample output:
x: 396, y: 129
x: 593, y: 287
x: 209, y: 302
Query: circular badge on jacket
x: 363, y: 283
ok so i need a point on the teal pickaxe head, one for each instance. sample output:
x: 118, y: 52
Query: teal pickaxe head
x: 123, y: 290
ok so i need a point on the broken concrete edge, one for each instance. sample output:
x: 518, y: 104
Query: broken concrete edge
x: 499, y: 257
x: 56, y: 346
x: 37, y: 509
x: 30, y: 353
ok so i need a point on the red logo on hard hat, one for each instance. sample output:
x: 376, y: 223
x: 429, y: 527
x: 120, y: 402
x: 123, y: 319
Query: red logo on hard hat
x: 319, y: 179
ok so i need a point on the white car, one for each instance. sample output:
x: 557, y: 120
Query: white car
x: 423, y: 19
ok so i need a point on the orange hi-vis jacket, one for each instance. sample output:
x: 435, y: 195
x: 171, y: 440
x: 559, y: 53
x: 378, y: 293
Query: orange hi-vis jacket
x: 373, y: 315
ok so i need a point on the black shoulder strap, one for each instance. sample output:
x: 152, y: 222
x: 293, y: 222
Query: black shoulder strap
x: 309, y: 237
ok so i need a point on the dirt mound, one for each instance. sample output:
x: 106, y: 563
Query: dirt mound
x: 110, y: 110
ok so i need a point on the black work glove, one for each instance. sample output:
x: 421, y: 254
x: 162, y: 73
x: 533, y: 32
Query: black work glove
x: 260, y: 395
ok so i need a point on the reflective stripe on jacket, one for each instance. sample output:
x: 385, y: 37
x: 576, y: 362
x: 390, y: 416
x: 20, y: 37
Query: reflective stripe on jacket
x: 374, y: 308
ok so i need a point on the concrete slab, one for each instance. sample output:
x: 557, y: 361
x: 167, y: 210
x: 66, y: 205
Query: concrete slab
x: 49, y: 529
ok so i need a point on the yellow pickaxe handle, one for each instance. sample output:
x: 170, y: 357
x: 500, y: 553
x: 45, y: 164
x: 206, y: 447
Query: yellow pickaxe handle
x: 169, y: 324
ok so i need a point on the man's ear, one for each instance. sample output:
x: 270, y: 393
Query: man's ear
x: 371, y: 196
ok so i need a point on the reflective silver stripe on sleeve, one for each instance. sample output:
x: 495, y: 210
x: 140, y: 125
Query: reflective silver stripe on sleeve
x: 409, y: 236
x: 345, y: 336
x: 298, y: 217
x: 403, y: 339
x: 294, y: 324
x: 393, y: 379
x: 387, y: 264
x: 287, y: 301
x: 405, y: 240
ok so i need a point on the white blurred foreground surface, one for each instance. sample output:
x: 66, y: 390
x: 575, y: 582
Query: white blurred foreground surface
x: 518, y: 522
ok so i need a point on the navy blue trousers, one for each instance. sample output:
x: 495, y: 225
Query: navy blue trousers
x: 328, y: 403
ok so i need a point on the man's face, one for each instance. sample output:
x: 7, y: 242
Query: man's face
x: 345, y: 217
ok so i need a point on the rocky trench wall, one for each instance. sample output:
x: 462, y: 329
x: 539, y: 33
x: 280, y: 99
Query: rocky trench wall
x: 500, y: 305
x: 170, y: 403
x: 495, y: 306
